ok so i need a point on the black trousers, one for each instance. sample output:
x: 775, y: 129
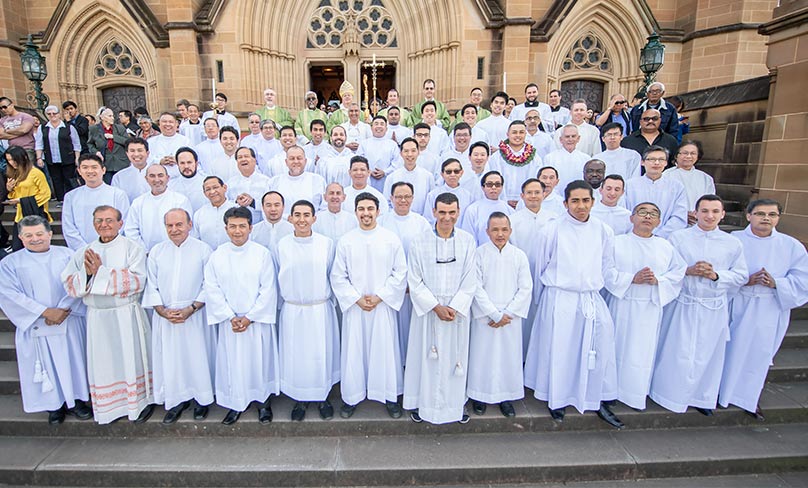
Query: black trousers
x: 64, y: 178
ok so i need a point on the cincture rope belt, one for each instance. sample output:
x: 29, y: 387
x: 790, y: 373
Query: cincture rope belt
x: 714, y: 303
x: 588, y: 309
x: 309, y: 304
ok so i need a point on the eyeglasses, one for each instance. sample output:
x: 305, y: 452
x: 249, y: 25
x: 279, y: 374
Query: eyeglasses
x: 620, y: 102
x: 402, y: 197
x: 3, y: 107
x: 655, y: 90
x: 453, y: 171
x: 448, y: 259
x: 493, y: 184
x: 421, y: 134
x: 531, y: 118
x: 772, y: 215
x: 647, y: 213
x: 311, y: 98
x: 650, y: 119
x: 49, y: 114
x: 683, y: 153
x: 656, y: 160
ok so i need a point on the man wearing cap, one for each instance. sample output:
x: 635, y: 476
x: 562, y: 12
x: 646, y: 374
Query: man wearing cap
x: 340, y: 116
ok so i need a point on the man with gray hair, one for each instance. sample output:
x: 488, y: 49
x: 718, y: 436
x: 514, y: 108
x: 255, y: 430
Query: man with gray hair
x: 308, y: 115
x: 670, y: 119
x: 50, y: 326
x: 58, y: 149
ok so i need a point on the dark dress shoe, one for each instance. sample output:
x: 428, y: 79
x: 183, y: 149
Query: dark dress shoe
x: 200, y: 412
x: 707, y: 412
x: 346, y: 411
x: 56, y: 417
x: 394, y: 410
x: 464, y: 419
x: 609, y: 417
x: 507, y: 409
x: 231, y: 417
x: 265, y: 413
x: 81, y: 411
x: 299, y: 411
x: 145, y: 414
x: 757, y: 414
x: 558, y: 414
x: 415, y: 417
x: 478, y: 407
x: 175, y: 412
x: 326, y: 410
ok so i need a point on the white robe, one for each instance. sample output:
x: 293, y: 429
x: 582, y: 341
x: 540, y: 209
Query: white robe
x: 370, y: 263
x: 438, y: 139
x: 334, y: 168
x: 132, y: 181
x: 191, y: 188
x: 553, y: 202
x: 496, y: 128
x: 696, y: 182
x: 382, y: 154
x: 239, y: 282
x: 475, y: 218
x: 225, y: 119
x: 526, y: 226
x: 349, y: 205
x: 118, y: 332
x: 666, y: 193
x: 224, y: 166
x: 589, y: 143
x: 145, y: 224
x: 306, y: 186
x: 209, y: 224
x: 401, y: 132
x: 30, y: 283
x: 356, y: 133
x: 265, y: 150
x: 334, y: 225
x: 406, y: 227
x: 514, y: 176
x: 695, y: 327
x: 570, y: 167
x: 637, y: 309
x: 309, y: 337
x: 542, y: 141
x: 621, y: 161
x: 495, y: 354
x: 438, y: 351
x: 209, y: 151
x: 431, y: 162
x: 759, y: 315
x: 161, y: 146
x: 194, y: 132
x: 570, y: 358
x: 463, y: 196
x: 422, y: 181
x: 77, y: 211
x: 255, y: 185
x: 617, y: 217
x: 268, y: 234
x: 184, y: 355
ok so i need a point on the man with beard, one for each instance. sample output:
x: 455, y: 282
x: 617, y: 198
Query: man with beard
x: 190, y: 180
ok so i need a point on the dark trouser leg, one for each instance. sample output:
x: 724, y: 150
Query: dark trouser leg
x: 69, y: 175
x: 58, y: 181
x: 16, y: 243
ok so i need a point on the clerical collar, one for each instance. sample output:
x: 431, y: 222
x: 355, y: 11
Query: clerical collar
x: 531, y: 104
x: 191, y: 122
x: 219, y: 112
x: 555, y: 109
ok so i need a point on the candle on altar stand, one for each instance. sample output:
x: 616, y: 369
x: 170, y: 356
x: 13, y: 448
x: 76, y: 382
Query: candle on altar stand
x: 504, y: 81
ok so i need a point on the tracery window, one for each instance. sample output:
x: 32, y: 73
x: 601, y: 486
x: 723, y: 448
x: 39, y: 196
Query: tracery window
x: 587, y: 53
x: 367, y: 22
x: 117, y: 59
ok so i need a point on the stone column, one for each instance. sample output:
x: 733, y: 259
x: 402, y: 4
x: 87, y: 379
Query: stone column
x: 516, y: 48
x: 783, y: 171
x: 186, y: 73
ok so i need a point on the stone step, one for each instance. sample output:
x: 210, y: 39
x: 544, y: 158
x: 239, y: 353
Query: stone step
x: 789, y: 365
x: 735, y: 219
x: 405, y: 460
x: 797, y: 335
x: 781, y: 403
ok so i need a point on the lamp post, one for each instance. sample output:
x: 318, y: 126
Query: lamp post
x: 33, y: 67
x: 652, y: 57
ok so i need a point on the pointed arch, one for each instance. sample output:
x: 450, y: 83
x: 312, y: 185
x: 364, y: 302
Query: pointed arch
x: 77, y: 50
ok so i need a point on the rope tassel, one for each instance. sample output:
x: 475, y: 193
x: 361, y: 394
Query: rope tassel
x: 433, y: 352
x: 47, y: 385
x: 38, y: 371
x: 459, y: 371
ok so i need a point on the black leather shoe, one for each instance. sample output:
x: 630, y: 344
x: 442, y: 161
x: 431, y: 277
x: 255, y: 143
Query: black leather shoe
x: 478, y: 407
x: 231, y: 417
x: 81, y: 411
x: 56, y: 417
x: 265, y: 413
x: 415, y: 417
x: 558, y: 414
x: 507, y: 409
x: 299, y: 411
x: 757, y: 414
x: 346, y: 411
x: 200, y: 412
x: 464, y: 419
x: 393, y: 410
x: 326, y: 410
x: 609, y: 417
x: 175, y: 412
x: 707, y: 412
x: 145, y: 414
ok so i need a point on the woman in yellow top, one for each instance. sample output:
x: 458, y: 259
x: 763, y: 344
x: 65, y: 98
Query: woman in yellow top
x: 25, y: 180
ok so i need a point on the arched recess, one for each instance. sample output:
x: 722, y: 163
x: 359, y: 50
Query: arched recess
x: 273, y: 39
x: 622, y: 33
x: 91, y: 29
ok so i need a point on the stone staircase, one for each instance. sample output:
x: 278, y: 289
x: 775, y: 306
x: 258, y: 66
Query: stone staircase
x: 657, y: 448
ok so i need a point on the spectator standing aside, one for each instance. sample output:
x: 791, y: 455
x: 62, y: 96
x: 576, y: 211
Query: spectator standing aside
x: 669, y: 118
x: 649, y: 134
x: 59, y: 149
x: 17, y: 128
x: 79, y: 121
x: 27, y: 188
x: 616, y: 114
x: 695, y: 181
x: 107, y: 140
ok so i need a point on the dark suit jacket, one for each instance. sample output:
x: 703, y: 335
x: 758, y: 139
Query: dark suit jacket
x: 82, y: 126
x: 96, y: 142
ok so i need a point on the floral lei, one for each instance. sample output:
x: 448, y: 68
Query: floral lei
x: 514, y: 160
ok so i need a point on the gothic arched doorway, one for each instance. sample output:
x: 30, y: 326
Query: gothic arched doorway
x: 589, y: 90
x: 124, y: 97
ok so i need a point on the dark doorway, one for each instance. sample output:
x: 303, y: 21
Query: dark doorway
x: 124, y: 98
x: 385, y: 79
x: 591, y: 91
x: 325, y: 81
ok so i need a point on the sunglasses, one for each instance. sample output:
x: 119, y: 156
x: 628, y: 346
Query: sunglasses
x: 3, y: 107
x: 453, y: 171
x: 650, y: 119
x: 620, y: 102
